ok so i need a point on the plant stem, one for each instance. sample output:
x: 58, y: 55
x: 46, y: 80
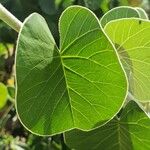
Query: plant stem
x: 9, y: 18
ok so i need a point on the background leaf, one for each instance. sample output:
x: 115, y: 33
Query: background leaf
x: 142, y: 13
x: 130, y: 131
x: 3, y: 95
x: 121, y: 12
x: 2, y: 49
x: 132, y: 40
x: 11, y: 92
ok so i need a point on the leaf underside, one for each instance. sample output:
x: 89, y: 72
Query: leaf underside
x: 132, y: 40
x: 129, y: 132
x: 58, y: 90
x: 123, y: 12
x: 142, y: 13
x: 119, y: 13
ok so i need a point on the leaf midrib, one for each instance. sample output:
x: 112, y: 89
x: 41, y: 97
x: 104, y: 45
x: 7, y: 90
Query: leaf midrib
x: 70, y: 103
x: 63, y: 67
x: 76, y: 39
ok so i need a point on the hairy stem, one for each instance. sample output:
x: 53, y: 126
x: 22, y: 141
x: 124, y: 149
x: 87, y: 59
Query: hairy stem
x: 9, y: 18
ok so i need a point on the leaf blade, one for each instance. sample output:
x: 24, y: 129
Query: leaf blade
x: 130, y: 131
x: 90, y: 46
x: 47, y: 73
x: 128, y: 46
x: 120, y: 13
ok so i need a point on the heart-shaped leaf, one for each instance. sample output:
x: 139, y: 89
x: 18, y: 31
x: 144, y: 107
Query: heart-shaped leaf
x: 131, y: 131
x: 123, y: 12
x: 132, y: 40
x: 58, y: 90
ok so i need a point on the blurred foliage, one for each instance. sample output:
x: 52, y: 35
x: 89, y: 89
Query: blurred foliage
x: 3, y: 95
x: 51, y: 10
x: 13, y: 136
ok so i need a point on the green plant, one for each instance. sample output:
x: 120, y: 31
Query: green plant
x: 3, y: 95
x: 83, y: 84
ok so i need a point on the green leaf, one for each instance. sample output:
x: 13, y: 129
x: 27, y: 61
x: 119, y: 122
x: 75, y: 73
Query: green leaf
x: 131, y: 131
x: 142, y: 13
x: 3, y: 95
x: 71, y: 87
x: 2, y: 49
x: 11, y: 92
x: 105, y: 5
x: 122, y: 12
x: 132, y: 40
